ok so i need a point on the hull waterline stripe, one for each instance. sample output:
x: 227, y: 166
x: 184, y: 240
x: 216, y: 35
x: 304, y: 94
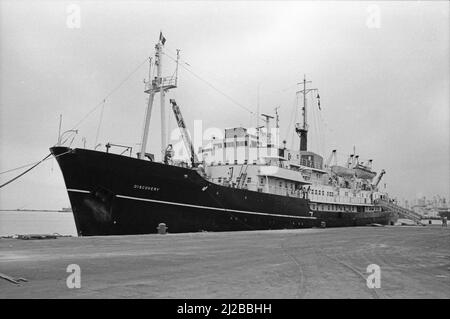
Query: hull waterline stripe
x: 212, y: 208
x: 196, y: 206
x: 77, y: 191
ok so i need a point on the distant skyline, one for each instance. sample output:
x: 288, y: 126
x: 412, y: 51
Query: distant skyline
x: 382, y: 69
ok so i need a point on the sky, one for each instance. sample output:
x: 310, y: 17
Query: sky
x: 382, y: 70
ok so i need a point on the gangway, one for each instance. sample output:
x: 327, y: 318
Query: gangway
x: 400, y: 211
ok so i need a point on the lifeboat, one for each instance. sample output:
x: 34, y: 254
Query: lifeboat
x: 342, y: 171
x: 364, y: 172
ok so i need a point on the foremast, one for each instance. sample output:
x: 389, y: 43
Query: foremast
x: 161, y: 85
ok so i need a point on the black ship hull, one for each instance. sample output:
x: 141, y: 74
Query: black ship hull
x: 118, y: 195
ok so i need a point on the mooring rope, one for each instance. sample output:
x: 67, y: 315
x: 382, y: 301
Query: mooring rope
x: 21, y: 174
x: 34, y: 165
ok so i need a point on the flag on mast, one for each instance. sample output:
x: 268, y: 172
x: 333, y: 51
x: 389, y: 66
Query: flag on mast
x: 161, y: 38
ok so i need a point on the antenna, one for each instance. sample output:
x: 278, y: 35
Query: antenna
x: 176, y: 69
x: 59, y: 130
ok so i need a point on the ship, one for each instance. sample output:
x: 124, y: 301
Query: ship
x: 241, y: 179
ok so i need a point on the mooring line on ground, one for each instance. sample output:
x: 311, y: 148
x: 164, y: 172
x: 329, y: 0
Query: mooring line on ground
x: 354, y: 270
x: 13, y: 280
x: 301, y: 289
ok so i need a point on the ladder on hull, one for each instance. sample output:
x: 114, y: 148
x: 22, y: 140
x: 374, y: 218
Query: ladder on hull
x: 242, y: 177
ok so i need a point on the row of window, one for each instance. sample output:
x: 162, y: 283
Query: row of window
x: 288, y: 185
x: 320, y: 192
x: 340, y: 208
x: 238, y: 179
x: 331, y: 207
x: 236, y: 144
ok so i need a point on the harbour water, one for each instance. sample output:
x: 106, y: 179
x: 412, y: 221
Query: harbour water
x: 42, y: 222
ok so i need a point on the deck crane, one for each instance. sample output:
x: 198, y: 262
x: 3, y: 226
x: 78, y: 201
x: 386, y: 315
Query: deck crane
x: 378, y: 179
x: 329, y: 159
x: 184, y: 133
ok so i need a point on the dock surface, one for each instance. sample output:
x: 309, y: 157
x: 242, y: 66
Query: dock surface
x: 307, y: 263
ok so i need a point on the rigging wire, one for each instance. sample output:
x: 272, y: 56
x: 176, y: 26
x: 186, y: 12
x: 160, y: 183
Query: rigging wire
x: 34, y: 164
x: 316, y: 126
x: 293, y: 119
x: 326, y: 129
x: 321, y: 146
x: 212, y: 86
x: 111, y: 93
x: 100, y: 122
x: 266, y: 92
x: 67, y: 138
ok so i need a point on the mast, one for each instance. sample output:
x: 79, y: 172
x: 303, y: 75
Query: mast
x: 305, y: 121
x: 159, y: 47
x: 277, y: 118
x: 153, y: 86
x: 148, y: 113
x: 302, y: 130
x: 269, y: 135
x: 257, y: 124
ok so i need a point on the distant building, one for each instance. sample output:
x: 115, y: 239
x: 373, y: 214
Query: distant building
x: 434, y: 207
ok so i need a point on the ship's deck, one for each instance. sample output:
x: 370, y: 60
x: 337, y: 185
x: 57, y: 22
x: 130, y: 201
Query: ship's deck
x: 308, y: 263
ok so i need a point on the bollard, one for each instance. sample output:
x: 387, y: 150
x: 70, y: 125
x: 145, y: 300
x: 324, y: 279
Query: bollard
x: 162, y: 228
